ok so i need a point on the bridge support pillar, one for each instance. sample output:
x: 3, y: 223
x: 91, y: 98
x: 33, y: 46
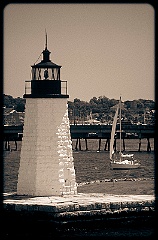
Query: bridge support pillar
x: 76, y: 144
x: 16, y: 145
x: 86, y: 144
x: 7, y: 145
x: 139, y: 144
x: 80, y: 144
x: 123, y: 144
x: 107, y: 144
x: 148, y: 145
x: 99, y: 144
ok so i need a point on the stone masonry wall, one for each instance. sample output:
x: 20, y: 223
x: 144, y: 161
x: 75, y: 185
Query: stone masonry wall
x: 46, y: 163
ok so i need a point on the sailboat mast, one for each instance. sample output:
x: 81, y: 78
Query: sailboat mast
x: 120, y: 128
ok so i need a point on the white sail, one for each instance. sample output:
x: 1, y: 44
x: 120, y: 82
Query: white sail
x: 113, y: 132
x: 125, y: 161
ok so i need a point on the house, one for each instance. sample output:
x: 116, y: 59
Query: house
x: 12, y: 117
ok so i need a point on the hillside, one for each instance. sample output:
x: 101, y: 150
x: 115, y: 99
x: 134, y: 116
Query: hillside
x: 98, y: 109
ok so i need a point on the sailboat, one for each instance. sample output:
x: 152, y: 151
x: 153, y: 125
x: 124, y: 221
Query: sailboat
x: 122, y: 161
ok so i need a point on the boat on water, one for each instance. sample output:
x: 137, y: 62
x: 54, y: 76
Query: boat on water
x: 120, y: 160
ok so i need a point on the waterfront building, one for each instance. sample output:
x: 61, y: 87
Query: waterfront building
x: 12, y: 117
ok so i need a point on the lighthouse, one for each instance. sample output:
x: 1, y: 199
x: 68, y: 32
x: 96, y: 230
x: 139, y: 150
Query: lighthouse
x: 46, y: 160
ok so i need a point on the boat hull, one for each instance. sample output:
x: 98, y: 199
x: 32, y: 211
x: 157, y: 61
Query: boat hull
x: 124, y: 166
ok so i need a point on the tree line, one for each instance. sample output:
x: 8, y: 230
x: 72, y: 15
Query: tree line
x: 98, y: 107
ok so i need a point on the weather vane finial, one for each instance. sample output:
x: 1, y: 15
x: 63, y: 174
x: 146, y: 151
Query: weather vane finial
x: 46, y: 39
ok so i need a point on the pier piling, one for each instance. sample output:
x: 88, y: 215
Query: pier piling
x: 7, y: 145
x: 76, y: 144
x: 80, y: 144
x: 139, y: 144
x: 99, y: 144
x: 148, y: 145
x: 86, y: 144
x: 107, y: 143
x: 123, y: 144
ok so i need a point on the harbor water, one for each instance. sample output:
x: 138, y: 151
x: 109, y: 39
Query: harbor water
x: 91, y: 165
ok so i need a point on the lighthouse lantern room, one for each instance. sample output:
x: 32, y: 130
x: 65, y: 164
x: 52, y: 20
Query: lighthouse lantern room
x: 46, y: 70
x: 46, y: 161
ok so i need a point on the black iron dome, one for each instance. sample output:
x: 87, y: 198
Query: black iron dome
x: 46, y: 69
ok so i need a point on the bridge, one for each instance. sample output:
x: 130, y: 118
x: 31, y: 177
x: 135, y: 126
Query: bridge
x: 15, y: 133
x: 90, y: 131
x: 104, y: 131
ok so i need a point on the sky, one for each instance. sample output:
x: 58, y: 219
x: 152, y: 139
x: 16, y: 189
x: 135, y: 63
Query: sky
x: 104, y: 49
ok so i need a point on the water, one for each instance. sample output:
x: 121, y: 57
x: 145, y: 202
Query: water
x: 90, y: 165
x: 94, y: 166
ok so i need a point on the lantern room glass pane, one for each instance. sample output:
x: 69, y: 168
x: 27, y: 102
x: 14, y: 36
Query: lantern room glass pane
x: 33, y: 73
x: 45, y: 73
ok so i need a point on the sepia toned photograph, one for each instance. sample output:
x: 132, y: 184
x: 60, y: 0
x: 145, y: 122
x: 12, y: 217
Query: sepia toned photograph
x: 79, y: 121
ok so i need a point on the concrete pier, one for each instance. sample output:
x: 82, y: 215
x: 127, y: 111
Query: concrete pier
x: 79, y: 215
x: 77, y: 205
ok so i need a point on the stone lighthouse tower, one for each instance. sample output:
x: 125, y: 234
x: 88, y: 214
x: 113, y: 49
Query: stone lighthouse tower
x: 46, y: 161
